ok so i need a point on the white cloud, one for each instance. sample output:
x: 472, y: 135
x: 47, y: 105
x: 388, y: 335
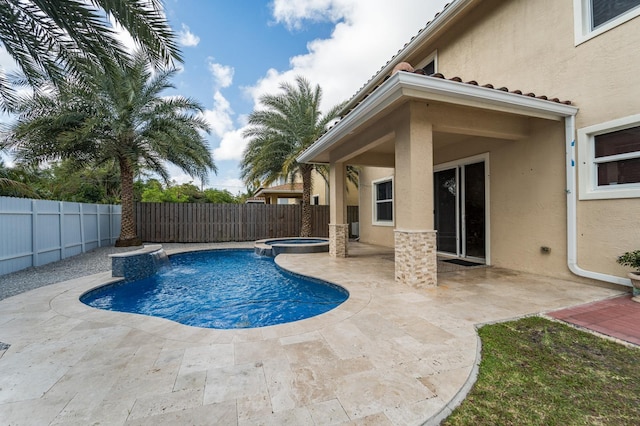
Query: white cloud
x: 231, y: 184
x: 180, y: 178
x: 124, y: 36
x: 219, y: 118
x: 187, y: 38
x: 7, y: 64
x: 222, y: 74
x: 231, y: 147
x: 293, y: 13
x: 366, y: 36
x: 7, y: 160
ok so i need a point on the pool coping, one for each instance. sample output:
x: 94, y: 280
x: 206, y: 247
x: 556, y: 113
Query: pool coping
x: 263, y: 248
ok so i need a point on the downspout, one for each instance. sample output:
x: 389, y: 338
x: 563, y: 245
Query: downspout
x: 572, y: 202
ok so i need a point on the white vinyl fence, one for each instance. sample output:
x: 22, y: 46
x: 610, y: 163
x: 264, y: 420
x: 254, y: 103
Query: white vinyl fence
x: 35, y: 232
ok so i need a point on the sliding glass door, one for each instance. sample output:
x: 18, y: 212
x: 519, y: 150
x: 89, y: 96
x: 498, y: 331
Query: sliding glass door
x: 460, y: 210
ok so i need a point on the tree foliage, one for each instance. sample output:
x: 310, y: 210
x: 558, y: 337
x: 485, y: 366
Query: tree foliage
x: 119, y: 118
x: 287, y: 125
x: 155, y: 192
x: 52, y: 39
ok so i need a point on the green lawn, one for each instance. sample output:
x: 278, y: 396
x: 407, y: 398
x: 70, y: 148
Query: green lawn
x: 539, y: 372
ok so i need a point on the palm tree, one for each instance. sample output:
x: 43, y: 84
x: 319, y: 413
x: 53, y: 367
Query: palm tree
x: 11, y: 186
x: 290, y: 122
x: 119, y: 117
x: 50, y: 38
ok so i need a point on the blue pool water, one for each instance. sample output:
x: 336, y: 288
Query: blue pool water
x: 221, y: 289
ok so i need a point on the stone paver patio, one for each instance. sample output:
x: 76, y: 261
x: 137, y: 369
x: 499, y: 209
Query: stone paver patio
x: 389, y: 355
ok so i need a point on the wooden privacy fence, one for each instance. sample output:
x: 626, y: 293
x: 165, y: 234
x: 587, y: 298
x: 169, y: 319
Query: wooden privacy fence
x: 208, y: 223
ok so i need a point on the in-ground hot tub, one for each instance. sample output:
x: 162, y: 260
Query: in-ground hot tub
x: 274, y: 246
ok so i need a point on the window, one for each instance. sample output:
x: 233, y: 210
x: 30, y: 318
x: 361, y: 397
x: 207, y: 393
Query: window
x: 315, y: 200
x: 430, y: 68
x: 383, y: 202
x: 603, y: 11
x: 429, y: 64
x: 610, y: 159
x: 594, y: 17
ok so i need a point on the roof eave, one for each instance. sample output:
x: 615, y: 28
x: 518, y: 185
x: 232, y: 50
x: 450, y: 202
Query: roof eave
x: 280, y: 192
x: 438, y: 24
x: 419, y: 87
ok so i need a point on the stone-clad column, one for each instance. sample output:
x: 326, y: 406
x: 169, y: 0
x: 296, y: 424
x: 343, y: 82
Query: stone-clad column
x: 416, y: 261
x: 338, y: 226
x: 415, y: 237
x: 338, y: 240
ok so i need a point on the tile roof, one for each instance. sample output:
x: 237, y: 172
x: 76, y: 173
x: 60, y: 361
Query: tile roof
x: 472, y: 83
x: 295, y: 187
x: 490, y: 86
x: 287, y: 186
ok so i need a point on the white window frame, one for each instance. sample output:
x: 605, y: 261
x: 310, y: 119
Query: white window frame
x: 582, y: 21
x: 589, y: 189
x: 374, y: 196
x: 313, y: 199
x: 487, y: 196
x: 432, y: 57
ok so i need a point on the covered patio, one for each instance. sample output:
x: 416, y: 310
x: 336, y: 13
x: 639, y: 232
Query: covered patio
x: 411, y: 123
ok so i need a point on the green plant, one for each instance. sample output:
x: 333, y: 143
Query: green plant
x: 630, y: 258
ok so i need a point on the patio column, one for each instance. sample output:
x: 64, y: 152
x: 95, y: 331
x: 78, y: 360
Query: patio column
x: 415, y: 238
x: 338, y: 226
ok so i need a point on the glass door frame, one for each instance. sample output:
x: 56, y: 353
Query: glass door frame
x: 456, y: 164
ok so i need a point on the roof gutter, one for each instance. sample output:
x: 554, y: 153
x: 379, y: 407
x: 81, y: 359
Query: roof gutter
x: 439, y: 22
x: 572, y: 202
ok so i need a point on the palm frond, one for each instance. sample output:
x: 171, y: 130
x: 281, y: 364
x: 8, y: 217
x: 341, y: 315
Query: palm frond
x: 61, y: 39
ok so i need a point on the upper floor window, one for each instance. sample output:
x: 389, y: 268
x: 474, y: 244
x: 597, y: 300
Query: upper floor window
x: 383, y: 202
x: 610, y: 159
x: 603, y: 11
x: 430, y: 68
x: 429, y: 64
x: 593, y: 17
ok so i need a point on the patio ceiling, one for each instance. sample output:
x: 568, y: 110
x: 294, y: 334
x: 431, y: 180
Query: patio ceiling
x: 457, y: 111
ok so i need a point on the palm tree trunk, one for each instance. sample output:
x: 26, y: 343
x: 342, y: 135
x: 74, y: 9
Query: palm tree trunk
x: 128, y: 235
x: 305, y: 170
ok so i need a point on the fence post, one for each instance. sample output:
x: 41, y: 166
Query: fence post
x: 82, y: 235
x: 98, y: 230
x: 34, y: 233
x: 61, y: 222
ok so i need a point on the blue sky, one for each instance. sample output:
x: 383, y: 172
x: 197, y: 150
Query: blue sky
x: 235, y: 51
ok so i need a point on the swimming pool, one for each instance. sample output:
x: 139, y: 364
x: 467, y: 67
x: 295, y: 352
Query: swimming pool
x: 221, y: 289
x: 275, y: 246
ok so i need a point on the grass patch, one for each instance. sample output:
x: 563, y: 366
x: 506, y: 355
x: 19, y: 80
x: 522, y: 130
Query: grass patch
x: 535, y: 371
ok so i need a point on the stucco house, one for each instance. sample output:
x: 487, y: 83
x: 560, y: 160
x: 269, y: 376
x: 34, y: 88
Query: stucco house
x: 285, y: 192
x: 515, y: 142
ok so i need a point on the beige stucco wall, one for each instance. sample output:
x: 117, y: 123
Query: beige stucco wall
x: 369, y: 233
x: 598, y: 76
x: 529, y: 45
x: 320, y: 188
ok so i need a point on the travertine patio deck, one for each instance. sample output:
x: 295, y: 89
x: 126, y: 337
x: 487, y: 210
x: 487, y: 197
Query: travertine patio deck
x: 389, y: 355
